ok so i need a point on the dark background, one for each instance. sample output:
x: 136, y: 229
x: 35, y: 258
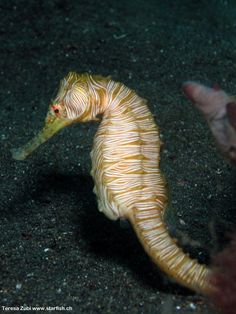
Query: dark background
x: 56, y: 249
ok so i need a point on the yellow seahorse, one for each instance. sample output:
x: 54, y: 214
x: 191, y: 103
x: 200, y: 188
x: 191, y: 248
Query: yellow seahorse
x: 125, y: 166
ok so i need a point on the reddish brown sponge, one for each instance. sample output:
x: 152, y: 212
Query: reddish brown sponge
x: 224, y: 279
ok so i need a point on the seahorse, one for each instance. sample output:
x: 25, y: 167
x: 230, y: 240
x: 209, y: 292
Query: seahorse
x: 125, y: 157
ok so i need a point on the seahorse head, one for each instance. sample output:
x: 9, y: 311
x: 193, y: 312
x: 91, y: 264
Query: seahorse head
x: 77, y: 100
x: 72, y: 100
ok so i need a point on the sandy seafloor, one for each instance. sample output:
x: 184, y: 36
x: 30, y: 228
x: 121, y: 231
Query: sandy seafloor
x: 56, y: 249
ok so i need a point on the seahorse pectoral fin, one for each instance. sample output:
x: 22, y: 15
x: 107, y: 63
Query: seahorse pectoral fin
x: 53, y: 124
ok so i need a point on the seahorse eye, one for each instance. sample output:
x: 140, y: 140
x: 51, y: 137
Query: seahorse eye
x: 56, y: 109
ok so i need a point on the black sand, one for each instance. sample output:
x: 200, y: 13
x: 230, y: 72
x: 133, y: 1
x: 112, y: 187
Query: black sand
x: 56, y: 249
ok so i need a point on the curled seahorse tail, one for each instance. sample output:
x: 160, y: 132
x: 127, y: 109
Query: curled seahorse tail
x: 163, y: 250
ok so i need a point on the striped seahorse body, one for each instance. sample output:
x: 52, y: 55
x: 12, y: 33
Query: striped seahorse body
x: 125, y: 168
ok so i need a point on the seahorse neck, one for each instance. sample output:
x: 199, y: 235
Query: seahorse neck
x: 110, y: 98
x: 121, y: 101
